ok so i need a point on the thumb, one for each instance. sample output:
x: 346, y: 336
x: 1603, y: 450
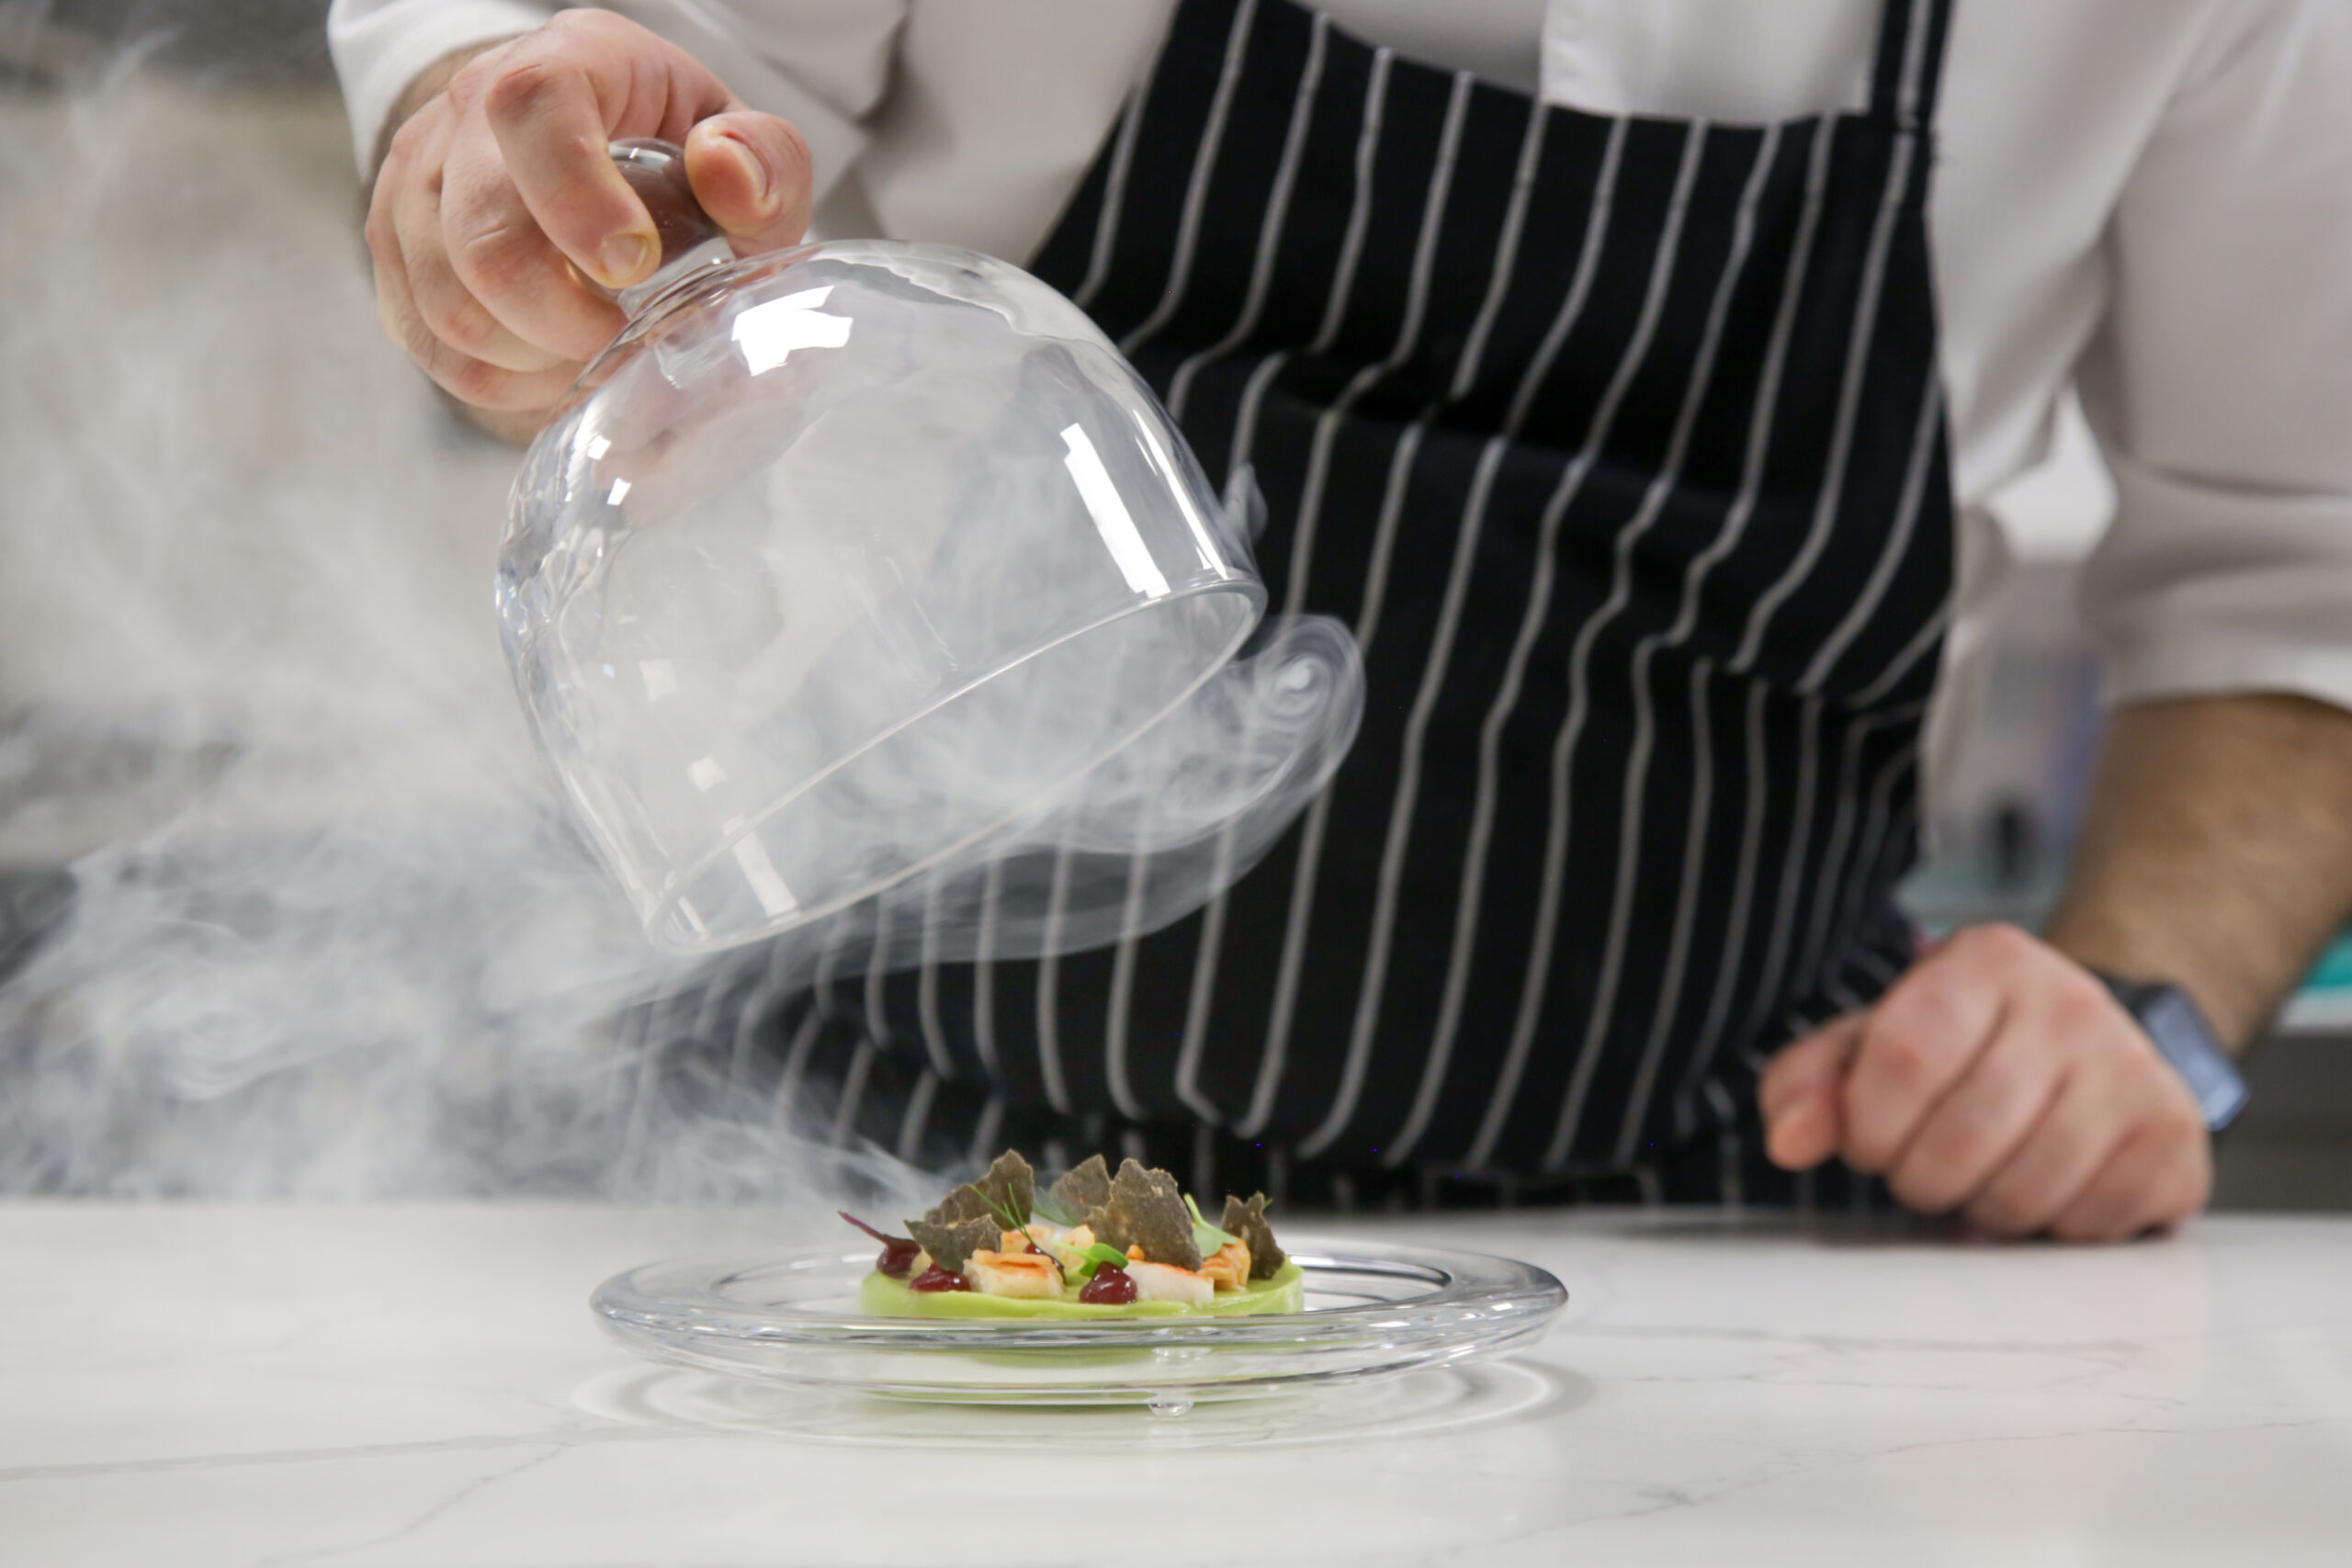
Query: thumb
x: 751, y: 172
x: 1798, y: 1094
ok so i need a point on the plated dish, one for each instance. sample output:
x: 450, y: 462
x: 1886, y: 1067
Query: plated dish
x: 1092, y: 1247
x: 1362, y: 1309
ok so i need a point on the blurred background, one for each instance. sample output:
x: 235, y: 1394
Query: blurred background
x: 330, y: 932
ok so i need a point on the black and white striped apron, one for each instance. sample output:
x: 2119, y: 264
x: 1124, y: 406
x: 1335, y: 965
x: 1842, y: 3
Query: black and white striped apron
x: 1619, y: 443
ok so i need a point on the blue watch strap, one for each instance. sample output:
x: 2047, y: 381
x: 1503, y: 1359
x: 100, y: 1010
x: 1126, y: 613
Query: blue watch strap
x: 2177, y: 1026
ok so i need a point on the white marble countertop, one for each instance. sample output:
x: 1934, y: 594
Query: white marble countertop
x: 418, y: 1385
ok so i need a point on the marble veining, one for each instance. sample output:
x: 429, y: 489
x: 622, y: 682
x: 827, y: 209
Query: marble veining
x: 422, y: 1385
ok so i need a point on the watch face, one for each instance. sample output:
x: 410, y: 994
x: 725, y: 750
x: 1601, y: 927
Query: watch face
x: 2183, y: 1037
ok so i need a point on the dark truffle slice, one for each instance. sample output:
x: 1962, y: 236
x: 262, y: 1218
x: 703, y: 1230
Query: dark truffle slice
x: 951, y: 1245
x: 1247, y: 1221
x: 965, y: 1204
x: 1088, y: 1186
x: 1146, y: 1209
x: 1011, y: 1183
x: 1008, y: 1185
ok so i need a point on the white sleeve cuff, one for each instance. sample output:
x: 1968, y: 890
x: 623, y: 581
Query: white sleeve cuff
x: 380, y: 46
x: 2200, y: 588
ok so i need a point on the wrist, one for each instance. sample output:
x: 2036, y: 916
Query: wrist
x: 2175, y: 1025
x: 2215, y: 852
x: 2124, y: 951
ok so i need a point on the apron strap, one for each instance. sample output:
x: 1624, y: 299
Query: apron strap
x: 1910, y: 62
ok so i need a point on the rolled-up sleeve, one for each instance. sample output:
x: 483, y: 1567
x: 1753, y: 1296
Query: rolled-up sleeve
x: 2221, y: 380
x: 380, y: 46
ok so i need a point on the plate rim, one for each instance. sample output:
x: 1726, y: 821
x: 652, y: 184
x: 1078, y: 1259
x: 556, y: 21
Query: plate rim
x: 1494, y: 1286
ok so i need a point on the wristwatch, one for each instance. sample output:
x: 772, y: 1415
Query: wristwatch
x: 2177, y: 1028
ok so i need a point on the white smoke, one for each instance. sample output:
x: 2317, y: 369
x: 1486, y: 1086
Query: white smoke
x: 332, y: 932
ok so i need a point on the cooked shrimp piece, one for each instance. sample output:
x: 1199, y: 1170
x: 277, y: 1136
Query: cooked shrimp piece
x: 1027, y: 1275
x: 1166, y: 1282
x: 1228, y: 1269
x: 1078, y: 1237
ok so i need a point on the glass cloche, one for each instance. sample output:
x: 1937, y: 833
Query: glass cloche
x: 844, y: 558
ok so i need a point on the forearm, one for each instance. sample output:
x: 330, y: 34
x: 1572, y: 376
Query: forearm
x: 2216, y: 851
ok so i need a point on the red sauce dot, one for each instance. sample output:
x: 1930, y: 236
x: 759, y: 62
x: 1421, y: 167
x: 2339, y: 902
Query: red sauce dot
x: 937, y: 1278
x: 898, y: 1259
x: 1112, y: 1286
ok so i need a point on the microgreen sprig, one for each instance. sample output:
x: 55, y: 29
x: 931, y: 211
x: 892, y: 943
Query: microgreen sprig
x: 1003, y: 1214
x: 1097, y: 1255
x: 1206, y: 1236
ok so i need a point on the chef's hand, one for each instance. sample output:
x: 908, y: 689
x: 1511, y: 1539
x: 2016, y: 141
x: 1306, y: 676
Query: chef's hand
x: 1997, y: 1077
x: 497, y: 196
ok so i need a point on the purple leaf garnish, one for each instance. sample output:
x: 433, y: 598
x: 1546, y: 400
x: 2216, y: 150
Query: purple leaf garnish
x: 898, y: 1259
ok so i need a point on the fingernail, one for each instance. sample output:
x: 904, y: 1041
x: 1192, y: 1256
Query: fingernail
x: 624, y: 257
x: 763, y: 188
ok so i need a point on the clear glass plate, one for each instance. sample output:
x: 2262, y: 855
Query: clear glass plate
x: 1372, y: 1310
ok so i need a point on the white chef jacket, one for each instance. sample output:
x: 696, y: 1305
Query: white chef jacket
x: 2150, y: 199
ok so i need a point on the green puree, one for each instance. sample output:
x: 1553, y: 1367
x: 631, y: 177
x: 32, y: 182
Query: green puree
x: 886, y: 1297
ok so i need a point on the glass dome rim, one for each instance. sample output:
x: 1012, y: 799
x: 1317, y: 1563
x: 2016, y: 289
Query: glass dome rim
x: 660, y: 914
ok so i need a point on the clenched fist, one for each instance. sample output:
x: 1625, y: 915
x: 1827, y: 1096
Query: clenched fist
x: 1998, y: 1079
x: 497, y: 203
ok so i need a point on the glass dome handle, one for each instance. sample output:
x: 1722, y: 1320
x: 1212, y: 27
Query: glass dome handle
x: 691, y: 242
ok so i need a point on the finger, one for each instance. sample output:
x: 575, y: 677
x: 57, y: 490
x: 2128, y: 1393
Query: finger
x: 1808, y: 1065
x: 555, y: 100
x: 498, y: 253
x: 1923, y: 1035
x: 750, y: 172
x: 470, y: 380
x: 1977, y: 1126
x: 419, y: 144
x: 2091, y: 1113
x: 1799, y: 1095
x: 2160, y: 1175
x: 382, y: 241
x: 449, y: 310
